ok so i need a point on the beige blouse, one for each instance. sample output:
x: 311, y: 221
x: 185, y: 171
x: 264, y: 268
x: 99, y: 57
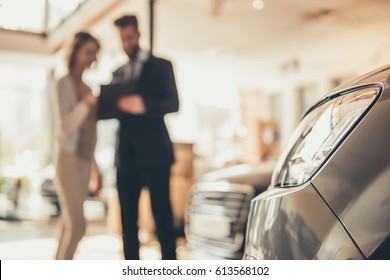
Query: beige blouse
x: 75, y: 120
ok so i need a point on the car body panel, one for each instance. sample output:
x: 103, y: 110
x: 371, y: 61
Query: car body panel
x: 355, y: 181
x: 255, y: 175
x: 380, y: 75
x: 296, y: 223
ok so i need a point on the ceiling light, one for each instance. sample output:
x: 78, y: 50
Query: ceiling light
x: 258, y: 4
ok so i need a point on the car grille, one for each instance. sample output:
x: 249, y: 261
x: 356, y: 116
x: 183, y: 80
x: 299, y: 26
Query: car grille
x: 216, y: 215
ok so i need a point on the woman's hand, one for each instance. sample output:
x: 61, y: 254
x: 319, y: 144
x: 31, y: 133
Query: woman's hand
x: 90, y: 99
x: 96, y: 181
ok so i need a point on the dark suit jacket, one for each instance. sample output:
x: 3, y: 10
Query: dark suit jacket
x: 144, y: 140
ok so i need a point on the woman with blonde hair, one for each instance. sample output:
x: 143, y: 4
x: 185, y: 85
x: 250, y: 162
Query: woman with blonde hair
x: 76, y: 140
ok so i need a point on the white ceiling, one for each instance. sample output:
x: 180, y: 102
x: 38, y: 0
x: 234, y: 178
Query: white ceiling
x: 351, y: 33
x: 281, y: 25
x: 304, y: 36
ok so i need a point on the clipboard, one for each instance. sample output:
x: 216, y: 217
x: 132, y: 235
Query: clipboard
x: 107, y: 107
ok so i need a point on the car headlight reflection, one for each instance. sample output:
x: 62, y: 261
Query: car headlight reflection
x: 320, y: 131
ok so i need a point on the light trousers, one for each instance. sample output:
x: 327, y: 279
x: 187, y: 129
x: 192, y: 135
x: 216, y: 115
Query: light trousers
x: 72, y: 179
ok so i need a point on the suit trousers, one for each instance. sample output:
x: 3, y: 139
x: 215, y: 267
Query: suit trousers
x: 130, y: 180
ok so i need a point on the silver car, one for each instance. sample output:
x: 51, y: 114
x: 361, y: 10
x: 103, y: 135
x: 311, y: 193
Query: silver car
x: 330, y: 192
x: 217, y: 211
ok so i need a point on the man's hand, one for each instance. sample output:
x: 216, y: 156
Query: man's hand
x: 132, y: 104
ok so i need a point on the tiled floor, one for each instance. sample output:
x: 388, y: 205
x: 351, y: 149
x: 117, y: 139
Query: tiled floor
x: 36, y: 240
x: 29, y: 232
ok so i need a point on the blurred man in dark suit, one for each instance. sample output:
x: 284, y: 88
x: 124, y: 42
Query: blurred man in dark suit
x: 144, y: 154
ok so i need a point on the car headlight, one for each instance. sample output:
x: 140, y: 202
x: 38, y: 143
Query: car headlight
x: 319, y: 133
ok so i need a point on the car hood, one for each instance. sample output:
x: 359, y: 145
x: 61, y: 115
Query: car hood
x: 257, y: 175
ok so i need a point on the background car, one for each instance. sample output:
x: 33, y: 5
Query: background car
x: 49, y: 192
x: 330, y: 194
x: 217, y: 211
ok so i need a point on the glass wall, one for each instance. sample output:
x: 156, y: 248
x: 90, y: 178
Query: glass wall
x: 37, y: 16
x: 31, y: 17
x: 25, y: 131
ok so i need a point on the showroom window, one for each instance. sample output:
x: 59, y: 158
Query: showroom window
x: 37, y: 16
x: 25, y: 125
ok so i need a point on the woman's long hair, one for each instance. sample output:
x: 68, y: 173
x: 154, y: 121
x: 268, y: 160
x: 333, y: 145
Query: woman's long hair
x: 79, y: 40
